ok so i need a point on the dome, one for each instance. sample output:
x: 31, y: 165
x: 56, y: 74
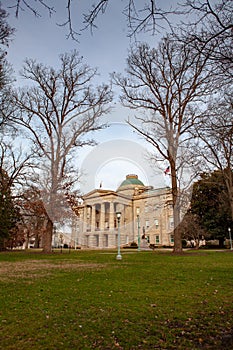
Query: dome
x: 130, y: 180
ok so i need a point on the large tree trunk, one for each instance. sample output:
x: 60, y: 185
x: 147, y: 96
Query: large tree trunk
x: 26, y: 243
x: 47, y: 237
x: 176, y: 209
x: 177, y: 232
x: 37, y: 241
x: 231, y: 202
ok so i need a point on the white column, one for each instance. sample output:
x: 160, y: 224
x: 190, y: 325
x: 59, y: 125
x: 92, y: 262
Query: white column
x: 85, y: 219
x: 111, y: 216
x: 93, y: 221
x: 102, y: 217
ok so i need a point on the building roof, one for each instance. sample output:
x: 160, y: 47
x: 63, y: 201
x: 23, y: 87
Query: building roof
x: 130, y: 180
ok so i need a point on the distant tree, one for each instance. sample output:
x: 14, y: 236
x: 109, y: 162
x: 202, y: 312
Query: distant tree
x: 168, y: 85
x: 33, y: 217
x: 9, y: 214
x: 59, y: 112
x: 210, y: 204
x: 192, y: 230
x: 16, y: 169
x: 215, y: 132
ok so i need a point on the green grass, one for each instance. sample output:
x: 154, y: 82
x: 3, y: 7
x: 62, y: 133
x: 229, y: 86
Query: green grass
x: 88, y: 300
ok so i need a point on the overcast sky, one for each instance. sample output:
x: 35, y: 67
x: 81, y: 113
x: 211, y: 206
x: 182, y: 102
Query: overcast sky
x: 106, y: 49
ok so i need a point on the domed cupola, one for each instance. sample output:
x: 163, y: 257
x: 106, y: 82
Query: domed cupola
x: 130, y: 183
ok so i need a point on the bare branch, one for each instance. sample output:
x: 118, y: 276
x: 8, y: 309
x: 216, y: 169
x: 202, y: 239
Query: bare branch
x: 211, y: 33
x: 20, y: 4
x: 147, y: 18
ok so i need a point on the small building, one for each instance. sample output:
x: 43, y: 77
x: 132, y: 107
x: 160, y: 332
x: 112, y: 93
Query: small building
x: 145, y: 211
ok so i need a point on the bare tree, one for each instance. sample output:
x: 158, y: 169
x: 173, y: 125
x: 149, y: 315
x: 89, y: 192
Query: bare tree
x: 18, y: 164
x: 33, y: 217
x: 211, y: 32
x: 216, y: 134
x: 6, y: 33
x: 169, y: 86
x: 15, y: 169
x: 58, y: 112
x: 145, y: 17
x: 191, y: 230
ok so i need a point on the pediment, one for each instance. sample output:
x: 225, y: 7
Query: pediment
x: 97, y: 193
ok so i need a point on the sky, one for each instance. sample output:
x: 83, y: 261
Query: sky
x: 119, y: 150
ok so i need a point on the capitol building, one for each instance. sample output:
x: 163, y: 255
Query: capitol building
x: 146, y: 213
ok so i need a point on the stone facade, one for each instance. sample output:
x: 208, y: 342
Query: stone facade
x: 145, y: 212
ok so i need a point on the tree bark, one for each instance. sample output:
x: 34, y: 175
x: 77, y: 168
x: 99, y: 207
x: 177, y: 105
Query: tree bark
x: 47, y: 237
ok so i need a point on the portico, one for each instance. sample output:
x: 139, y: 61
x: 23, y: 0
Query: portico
x: 96, y: 223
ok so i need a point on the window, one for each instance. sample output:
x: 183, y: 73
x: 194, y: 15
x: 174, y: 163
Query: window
x: 147, y: 224
x: 171, y: 223
x: 106, y: 241
x: 156, y: 223
x: 87, y: 241
x: 172, y: 238
x: 96, y: 240
x: 157, y: 240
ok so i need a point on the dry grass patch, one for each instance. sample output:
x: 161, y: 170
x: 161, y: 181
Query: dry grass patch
x: 39, y: 268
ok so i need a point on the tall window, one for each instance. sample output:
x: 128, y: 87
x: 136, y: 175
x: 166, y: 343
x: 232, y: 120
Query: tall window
x: 156, y: 223
x: 171, y: 222
x: 96, y: 240
x: 106, y: 240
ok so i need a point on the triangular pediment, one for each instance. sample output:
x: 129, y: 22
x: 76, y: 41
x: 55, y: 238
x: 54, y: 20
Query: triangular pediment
x: 98, y: 193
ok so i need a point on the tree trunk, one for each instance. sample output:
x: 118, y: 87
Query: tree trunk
x: 37, y: 241
x: 47, y: 237
x: 26, y: 243
x: 231, y: 204
x: 176, y: 210
x: 177, y: 233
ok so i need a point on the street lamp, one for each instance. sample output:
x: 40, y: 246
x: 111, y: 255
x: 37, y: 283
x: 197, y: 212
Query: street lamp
x: 229, y: 230
x: 118, y: 215
x: 138, y: 220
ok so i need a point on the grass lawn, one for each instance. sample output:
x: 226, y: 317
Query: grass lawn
x: 88, y: 300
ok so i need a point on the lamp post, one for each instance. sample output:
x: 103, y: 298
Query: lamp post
x: 229, y: 230
x: 119, y: 257
x: 138, y: 221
